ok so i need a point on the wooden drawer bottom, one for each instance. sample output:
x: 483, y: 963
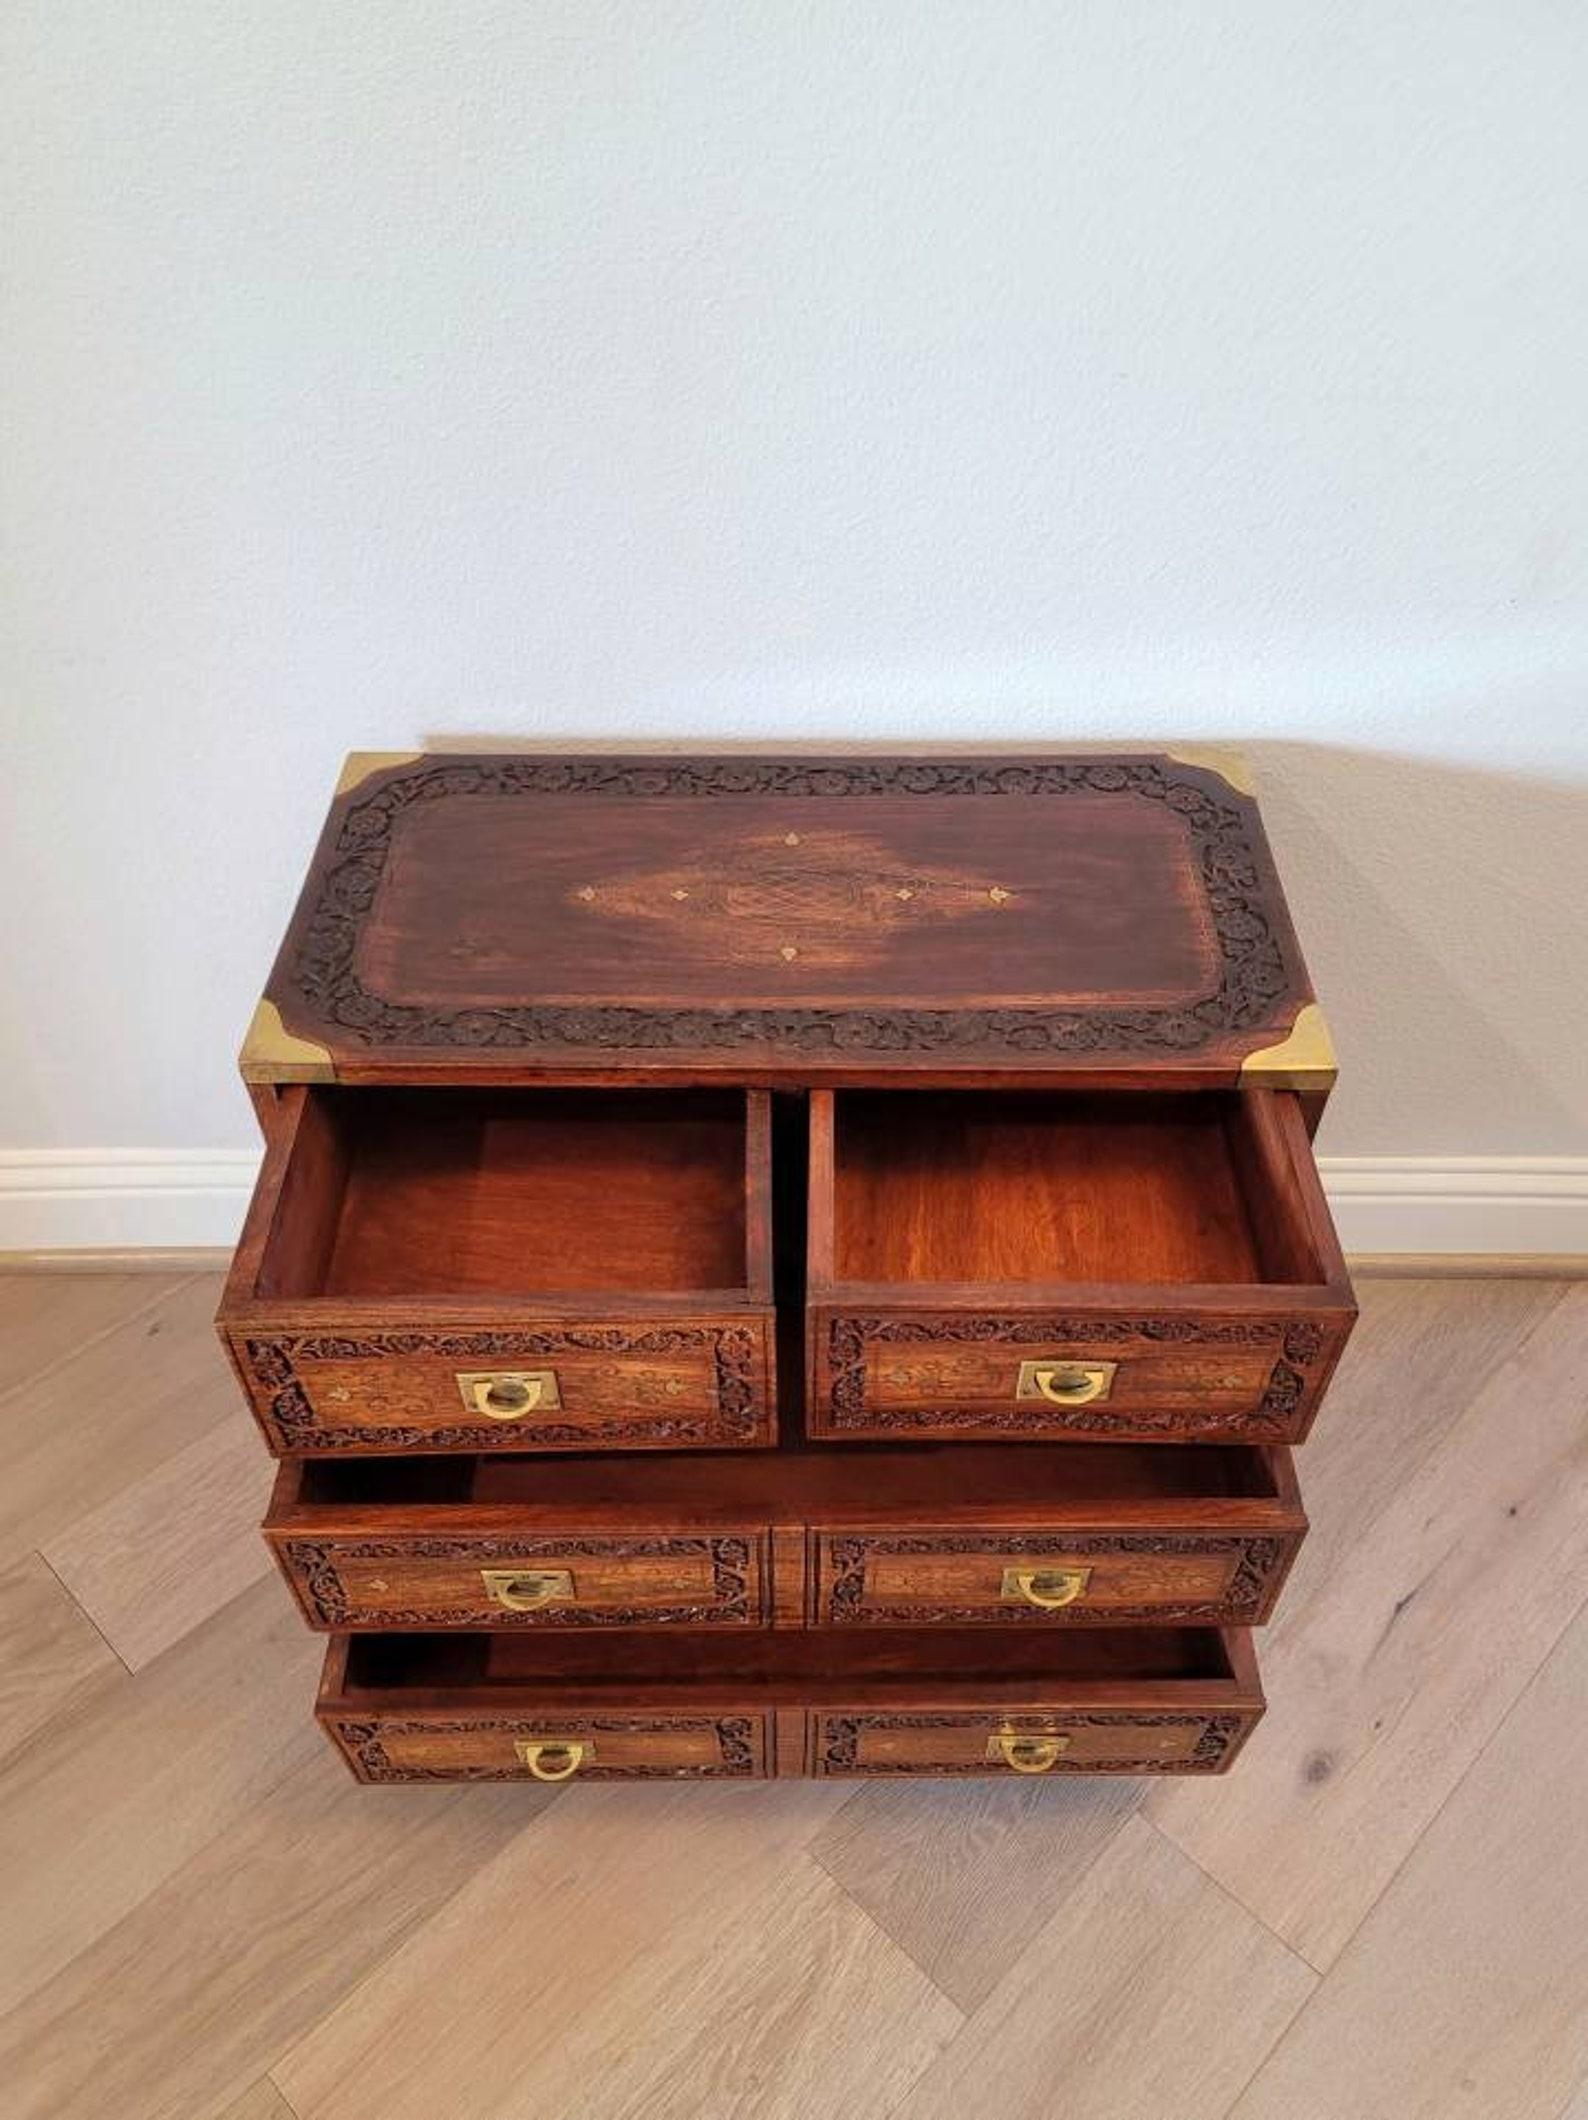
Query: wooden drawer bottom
x: 506, y: 1707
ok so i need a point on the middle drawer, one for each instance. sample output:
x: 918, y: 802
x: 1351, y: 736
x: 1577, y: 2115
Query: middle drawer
x: 1052, y: 1535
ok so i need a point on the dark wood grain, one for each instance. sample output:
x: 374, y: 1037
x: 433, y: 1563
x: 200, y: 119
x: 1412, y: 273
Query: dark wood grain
x: 499, y: 916
x: 854, y: 1083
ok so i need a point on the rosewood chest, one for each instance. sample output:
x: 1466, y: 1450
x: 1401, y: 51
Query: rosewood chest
x: 787, y: 1266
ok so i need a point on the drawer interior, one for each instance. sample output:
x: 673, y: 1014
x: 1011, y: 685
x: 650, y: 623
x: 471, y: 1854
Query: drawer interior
x: 1063, y: 1187
x: 502, y: 1192
x: 930, y: 1480
x: 796, y: 1667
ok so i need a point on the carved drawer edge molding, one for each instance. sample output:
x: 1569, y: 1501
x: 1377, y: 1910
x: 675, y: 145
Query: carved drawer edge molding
x: 314, y: 1567
x: 362, y: 1740
x: 843, y: 1596
x: 736, y: 1351
x: 838, y: 1743
x: 1297, y: 1347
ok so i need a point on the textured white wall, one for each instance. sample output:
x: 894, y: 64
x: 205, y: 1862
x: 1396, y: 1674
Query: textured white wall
x: 391, y: 370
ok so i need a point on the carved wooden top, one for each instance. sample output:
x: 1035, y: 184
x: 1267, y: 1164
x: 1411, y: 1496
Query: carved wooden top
x: 794, y: 918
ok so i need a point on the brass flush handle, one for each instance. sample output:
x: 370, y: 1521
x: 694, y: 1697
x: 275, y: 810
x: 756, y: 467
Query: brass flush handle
x: 1025, y: 1753
x: 1048, y: 1587
x: 554, y: 1758
x: 1065, y: 1383
x: 526, y: 1589
x: 508, y: 1394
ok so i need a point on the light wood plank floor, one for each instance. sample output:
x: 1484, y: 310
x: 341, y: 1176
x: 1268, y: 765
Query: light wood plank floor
x: 1377, y: 1916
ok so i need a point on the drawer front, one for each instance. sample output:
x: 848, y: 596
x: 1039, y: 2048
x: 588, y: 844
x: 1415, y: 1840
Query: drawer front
x: 1031, y: 1745
x: 953, y: 1578
x: 547, y: 1583
x: 630, y: 1386
x: 553, y: 1747
x: 967, y: 1373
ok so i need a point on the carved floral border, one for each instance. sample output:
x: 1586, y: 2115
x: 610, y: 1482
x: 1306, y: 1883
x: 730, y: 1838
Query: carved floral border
x: 843, y: 1590
x: 1257, y: 969
x: 362, y: 1741
x: 838, y: 1743
x: 1297, y: 1348
x: 294, y: 1423
x: 314, y: 1568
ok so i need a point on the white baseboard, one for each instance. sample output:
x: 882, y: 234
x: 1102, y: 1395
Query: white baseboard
x: 128, y: 1199
x: 123, y: 1199
x: 1471, y: 1204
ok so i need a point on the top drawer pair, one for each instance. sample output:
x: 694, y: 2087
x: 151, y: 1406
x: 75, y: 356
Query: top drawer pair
x: 547, y: 1269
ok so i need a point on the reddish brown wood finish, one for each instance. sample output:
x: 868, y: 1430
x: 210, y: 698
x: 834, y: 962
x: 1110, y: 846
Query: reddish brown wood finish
x: 511, y: 917
x: 571, y: 1011
x: 906, y: 1537
x: 953, y: 1238
x: 405, y: 1707
x: 398, y: 1240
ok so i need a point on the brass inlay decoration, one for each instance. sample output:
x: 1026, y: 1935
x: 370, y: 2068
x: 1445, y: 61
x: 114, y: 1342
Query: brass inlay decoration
x: 527, y: 1589
x: 554, y: 1758
x: 508, y: 1394
x: 1230, y: 765
x: 1305, y: 1059
x: 1064, y: 1383
x: 1049, y: 1588
x: 840, y: 892
x: 272, y: 1053
x: 359, y: 765
x: 1027, y: 1751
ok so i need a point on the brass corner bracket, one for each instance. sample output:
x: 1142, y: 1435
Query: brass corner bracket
x: 272, y: 1053
x: 359, y: 765
x: 1232, y: 766
x: 1305, y: 1059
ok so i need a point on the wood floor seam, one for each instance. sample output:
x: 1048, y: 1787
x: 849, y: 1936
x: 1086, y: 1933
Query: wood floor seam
x: 378, y: 1964
x: 897, y: 1942
x: 269, y: 2077
x: 1234, y: 1897
x: 77, y: 1603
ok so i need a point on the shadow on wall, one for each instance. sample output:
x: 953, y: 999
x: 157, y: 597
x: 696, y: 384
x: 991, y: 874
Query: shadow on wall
x: 1441, y: 910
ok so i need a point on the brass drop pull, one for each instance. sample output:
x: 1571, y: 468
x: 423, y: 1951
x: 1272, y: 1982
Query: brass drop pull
x: 1065, y: 1383
x: 508, y: 1394
x: 1026, y: 1752
x: 1048, y: 1587
x: 554, y: 1758
x: 526, y: 1589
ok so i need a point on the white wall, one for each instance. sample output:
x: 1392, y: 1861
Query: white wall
x: 388, y: 370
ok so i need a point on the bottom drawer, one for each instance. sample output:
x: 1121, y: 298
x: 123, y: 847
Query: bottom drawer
x: 508, y: 1707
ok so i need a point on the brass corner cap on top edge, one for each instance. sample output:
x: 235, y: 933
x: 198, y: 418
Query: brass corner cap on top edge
x: 271, y: 1053
x: 1303, y: 1060
x: 1232, y: 766
x: 359, y: 765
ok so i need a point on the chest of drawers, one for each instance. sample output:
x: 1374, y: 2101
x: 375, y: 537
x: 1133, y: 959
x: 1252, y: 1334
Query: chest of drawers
x: 787, y: 1266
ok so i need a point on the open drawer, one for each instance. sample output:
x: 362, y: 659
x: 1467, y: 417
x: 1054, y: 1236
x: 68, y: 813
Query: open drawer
x: 502, y: 1269
x: 1058, y: 1263
x: 942, y: 1535
x: 505, y: 1707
